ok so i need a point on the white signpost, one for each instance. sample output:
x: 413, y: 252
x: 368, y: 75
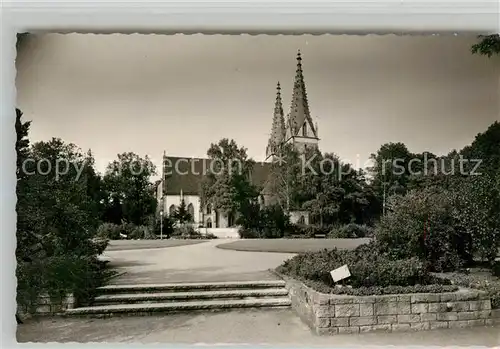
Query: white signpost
x: 340, y: 273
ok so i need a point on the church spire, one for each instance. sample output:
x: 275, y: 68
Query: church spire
x: 279, y: 118
x: 299, y: 109
x: 278, y: 128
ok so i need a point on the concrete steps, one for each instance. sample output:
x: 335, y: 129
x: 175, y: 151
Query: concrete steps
x: 190, y: 286
x: 168, y: 298
x: 186, y: 296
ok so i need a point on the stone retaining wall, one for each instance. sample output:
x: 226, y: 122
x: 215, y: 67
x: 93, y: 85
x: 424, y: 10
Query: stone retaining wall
x: 45, y: 306
x: 332, y: 314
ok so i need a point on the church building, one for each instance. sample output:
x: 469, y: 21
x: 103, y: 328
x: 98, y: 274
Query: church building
x: 182, y: 177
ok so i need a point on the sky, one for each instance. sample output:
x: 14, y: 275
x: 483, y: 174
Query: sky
x: 180, y: 93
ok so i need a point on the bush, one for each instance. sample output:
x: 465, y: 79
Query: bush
x: 421, y: 225
x: 59, y: 275
x: 489, y: 285
x: 268, y: 223
x: 351, y: 231
x: 274, y: 222
x: 446, y: 228
x: 477, y: 214
x: 100, y: 245
x: 131, y: 231
x: 109, y: 231
x: 246, y: 233
x: 494, y: 293
x: 168, y: 226
x: 307, y: 231
x: 209, y: 236
x: 187, y: 232
x: 368, y: 268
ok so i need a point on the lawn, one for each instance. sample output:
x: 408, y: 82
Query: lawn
x: 292, y: 245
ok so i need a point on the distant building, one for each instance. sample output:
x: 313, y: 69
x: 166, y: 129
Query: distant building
x: 183, y: 176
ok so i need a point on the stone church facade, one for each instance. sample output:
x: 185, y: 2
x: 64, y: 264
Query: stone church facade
x: 182, y: 177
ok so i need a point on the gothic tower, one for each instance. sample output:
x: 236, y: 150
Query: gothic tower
x: 300, y: 129
x: 278, y: 132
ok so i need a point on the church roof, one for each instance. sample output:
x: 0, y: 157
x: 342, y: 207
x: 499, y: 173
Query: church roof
x: 186, y: 174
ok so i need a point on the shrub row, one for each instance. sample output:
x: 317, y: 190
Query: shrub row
x: 128, y: 230
x: 348, y: 231
x: 351, y: 231
x: 303, y: 231
x: 189, y: 233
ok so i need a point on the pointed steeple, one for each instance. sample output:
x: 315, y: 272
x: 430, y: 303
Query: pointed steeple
x: 299, y: 108
x: 278, y: 128
x: 278, y: 133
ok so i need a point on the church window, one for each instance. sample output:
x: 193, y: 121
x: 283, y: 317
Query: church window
x: 209, y: 209
x: 190, y: 209
x: 171, y: 210
x: 304, y: 130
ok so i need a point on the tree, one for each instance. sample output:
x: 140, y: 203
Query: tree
x: 22, y: 143
x: 57, y: 205
x: 282, y: 185
x: 127, y: 180
x: 182, y: 214
x: 391, y: 168
x: 95, y: 188
x: 56, y: 250
x: 485, y: 148
x: 488, y: 45
x: 341, y: 193
x: 322, y: 187
x: 227, y: 187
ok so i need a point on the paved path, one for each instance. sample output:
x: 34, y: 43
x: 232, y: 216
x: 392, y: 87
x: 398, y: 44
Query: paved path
x: 275, y: 327
x: 202, y: 262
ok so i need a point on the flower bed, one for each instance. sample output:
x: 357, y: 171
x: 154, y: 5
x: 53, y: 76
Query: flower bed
x: 369, y: 269
x: 381, y: 294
